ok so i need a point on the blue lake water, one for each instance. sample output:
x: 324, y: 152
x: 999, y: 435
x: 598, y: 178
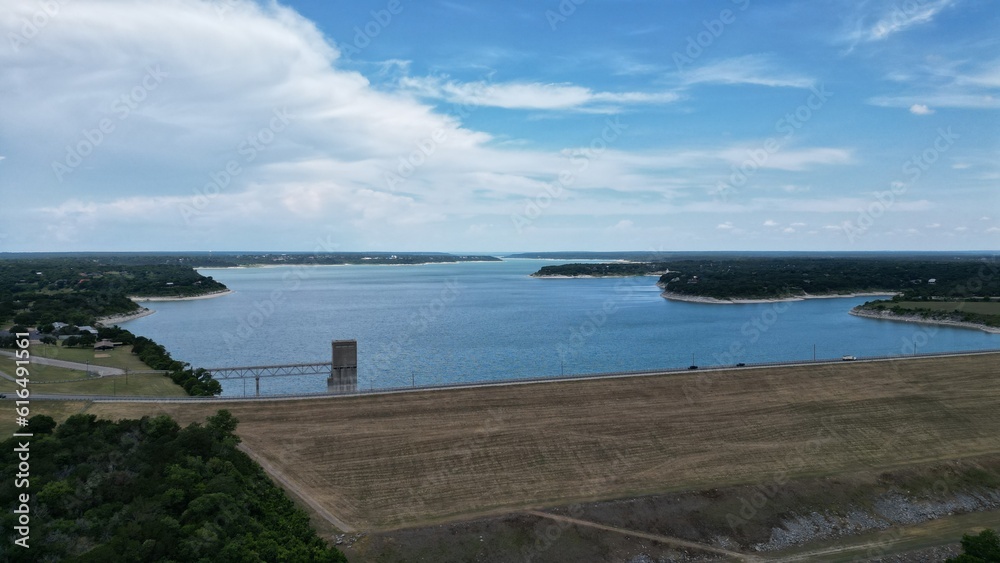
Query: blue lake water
x: 448, y: 323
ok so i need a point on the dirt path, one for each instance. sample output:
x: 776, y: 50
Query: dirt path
x: 675, y: 542
x: 294, y: 489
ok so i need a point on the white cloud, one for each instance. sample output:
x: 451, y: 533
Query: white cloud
x: 529, y: 95
x: 790, y: 159
x: 940, y: 99
x: 727, y: 226
x: 770, y: 223
x: 788, y: 230
x: 920, y: 109
x: 902, y: 16
x: 748, y: 69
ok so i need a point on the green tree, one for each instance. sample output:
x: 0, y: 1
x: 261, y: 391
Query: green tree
x: 40, y: 424
x: 981, y: 548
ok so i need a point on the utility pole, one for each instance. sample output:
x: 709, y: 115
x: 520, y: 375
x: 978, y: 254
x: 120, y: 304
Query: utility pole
x: 814, y: 352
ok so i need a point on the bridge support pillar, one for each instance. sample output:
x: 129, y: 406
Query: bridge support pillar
x: 344, y: 370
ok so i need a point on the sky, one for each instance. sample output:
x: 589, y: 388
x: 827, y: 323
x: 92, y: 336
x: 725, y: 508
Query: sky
x: 487, y: 126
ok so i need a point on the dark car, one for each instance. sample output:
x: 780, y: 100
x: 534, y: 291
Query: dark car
x: 692, y: 367
x: 740, y: 365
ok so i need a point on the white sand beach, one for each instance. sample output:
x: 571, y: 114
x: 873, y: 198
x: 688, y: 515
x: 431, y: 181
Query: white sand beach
x: 139, y: 299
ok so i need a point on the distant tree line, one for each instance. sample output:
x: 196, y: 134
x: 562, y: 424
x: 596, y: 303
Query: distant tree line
x: 149, y: 490
x: 762, y: 278
x: 233, y: 259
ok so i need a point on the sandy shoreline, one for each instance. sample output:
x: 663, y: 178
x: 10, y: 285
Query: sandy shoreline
x: 697, y: 299
x: 192, y: 298
x: 115, y: 319
x: 145, y: 311
x: 890, y: 316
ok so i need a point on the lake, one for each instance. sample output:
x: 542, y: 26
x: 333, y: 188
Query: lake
x: 487, y: 321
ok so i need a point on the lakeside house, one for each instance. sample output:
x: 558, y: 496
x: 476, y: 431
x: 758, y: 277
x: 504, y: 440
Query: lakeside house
x: 104, y: 345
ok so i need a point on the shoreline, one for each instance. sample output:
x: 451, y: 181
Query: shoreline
x: 115, y: 319
x: 588, y: 276
x: 255, y: 266
x: 713, y: 301
x: 212, y: 295
x: 890, y: 316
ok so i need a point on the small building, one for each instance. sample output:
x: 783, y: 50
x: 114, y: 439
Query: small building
x: 104, y: 345
x: 89, y: 329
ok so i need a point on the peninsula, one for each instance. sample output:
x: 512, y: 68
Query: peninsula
x: 954, y: 289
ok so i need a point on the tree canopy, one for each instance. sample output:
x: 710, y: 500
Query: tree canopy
x: 149, y: 490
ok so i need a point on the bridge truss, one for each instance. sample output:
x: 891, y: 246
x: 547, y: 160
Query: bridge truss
x: 257, y: 372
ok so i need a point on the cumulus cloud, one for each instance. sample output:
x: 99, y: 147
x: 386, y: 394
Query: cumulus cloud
x: 920, y: 109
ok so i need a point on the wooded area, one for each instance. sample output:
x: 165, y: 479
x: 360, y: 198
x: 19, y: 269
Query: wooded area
x: 769, y: 278
x: 148, y: 490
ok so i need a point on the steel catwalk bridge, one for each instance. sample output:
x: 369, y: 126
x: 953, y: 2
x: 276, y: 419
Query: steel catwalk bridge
x: 257, y: 372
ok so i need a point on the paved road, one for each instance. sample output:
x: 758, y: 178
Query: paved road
x: 99, y: 370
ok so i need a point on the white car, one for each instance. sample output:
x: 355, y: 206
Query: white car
x: 848, y: 358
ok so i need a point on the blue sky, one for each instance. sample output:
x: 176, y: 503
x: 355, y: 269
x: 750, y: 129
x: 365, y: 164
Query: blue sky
x: 500, y: 126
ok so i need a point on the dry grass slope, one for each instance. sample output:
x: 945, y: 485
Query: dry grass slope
x: 382, y: 462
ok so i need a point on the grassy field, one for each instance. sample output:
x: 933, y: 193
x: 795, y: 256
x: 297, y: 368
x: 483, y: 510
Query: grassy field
x: 135, y: 385
x: 382, y: 462
x: 991, y: 308
x: 120, y: 357
x: 40, y: 372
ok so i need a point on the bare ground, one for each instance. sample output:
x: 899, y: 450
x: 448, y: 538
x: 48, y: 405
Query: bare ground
x: 394, y: 461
